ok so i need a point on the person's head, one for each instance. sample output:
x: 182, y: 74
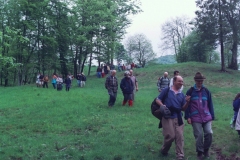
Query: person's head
x: 165, y: 74
x: 127, y: 74
x: 131, y: 72
x: 177, y: 82
x: 176, y: 73
x: 113, y: 72
x: 237, y: 96
x: 199, y: 78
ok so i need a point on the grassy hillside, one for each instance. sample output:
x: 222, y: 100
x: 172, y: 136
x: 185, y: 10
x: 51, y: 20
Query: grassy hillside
x: 38, y: 123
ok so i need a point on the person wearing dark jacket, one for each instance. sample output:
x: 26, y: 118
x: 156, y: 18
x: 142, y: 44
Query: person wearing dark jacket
x: 111, y: 85
x: 127, y: 87
x: 78, y: 77
x: 68, y: 83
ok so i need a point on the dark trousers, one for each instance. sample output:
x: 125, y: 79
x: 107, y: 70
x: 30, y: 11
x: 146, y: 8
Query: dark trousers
x: 59, y: 87
x: 67, y: 87
x: 112, y: 98
x: 127, y: 97
x: 45, y: 84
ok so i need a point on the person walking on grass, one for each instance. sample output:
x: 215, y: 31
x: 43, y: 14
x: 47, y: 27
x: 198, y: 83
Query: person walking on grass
x: 173, y: 100
x: 99, y: 71
x: 54, y: 80
x: 135, y: 84
x: 127, y: 89
x: 83, y: 80
x: 59, y: 82
x: 68, y: 82
x: 175, y: 73
x: 163, y: 82
x: 236, y: 116
x: 200, y: 114
x: 41, y: 80
x: 78, y: 77
x: 38, y: 80
x: 236, y: 106
x: 111, y: 85
x: 45, y: 81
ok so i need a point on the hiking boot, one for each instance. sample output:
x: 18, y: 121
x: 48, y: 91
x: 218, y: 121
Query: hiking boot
x: 206, y: 153
x: 164, y: 154
x: 199, y: 156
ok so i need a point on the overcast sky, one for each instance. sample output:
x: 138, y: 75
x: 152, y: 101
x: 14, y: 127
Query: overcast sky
x: 155, y: 13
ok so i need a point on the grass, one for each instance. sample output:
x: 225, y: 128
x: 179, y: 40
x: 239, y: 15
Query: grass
x: 38, y: 123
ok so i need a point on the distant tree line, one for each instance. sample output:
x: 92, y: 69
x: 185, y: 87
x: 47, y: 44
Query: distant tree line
x: 217, y: 23
x: 59, y: 36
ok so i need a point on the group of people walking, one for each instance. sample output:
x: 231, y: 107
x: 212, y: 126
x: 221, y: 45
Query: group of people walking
x: 122, y: 67
x: 128, y: 85
x: 199, y: 112
x: 58, y: 81
x: 196, y: 103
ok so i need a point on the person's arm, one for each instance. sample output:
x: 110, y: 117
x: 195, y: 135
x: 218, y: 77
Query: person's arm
x: 159, y: 102
x: 136, y: 84
x: 210, y: 106
x: 106, y: 83
x: 187, y: 100
x: 186, y: 111
x: 161, y: 98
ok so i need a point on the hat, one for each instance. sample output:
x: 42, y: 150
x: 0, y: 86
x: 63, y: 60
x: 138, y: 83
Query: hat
x: 199, y: 76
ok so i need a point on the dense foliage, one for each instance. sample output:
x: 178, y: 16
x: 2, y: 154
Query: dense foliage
x: 60, y: 35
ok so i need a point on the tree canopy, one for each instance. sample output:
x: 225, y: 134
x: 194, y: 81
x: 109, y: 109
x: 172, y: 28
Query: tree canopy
x: 60, y: 36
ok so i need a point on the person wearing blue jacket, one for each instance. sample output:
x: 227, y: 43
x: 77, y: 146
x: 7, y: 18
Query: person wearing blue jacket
x: 236, y: 106
x: 200, y: 114
x: 127, y: 87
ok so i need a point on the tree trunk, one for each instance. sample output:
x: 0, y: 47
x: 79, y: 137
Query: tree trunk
x: 234, y: 64
x: 223, y: 68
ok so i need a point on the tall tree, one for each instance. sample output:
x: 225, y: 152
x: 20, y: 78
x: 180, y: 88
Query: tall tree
x: 140, y: 49
x: 173, y: 33
x: 218, y: 20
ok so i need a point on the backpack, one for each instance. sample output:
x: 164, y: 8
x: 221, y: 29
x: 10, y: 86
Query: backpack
x: 160, y: 81
x: 155, y: 106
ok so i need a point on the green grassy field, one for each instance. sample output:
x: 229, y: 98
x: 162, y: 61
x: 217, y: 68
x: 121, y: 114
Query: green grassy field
x: 38, y: 123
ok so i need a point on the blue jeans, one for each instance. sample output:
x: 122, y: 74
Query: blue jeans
x: 99, y: 74
x: 79, y: 83
x: 119, y: 68
x: 54, y: 85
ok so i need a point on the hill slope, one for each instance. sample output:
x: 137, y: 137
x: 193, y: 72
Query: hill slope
x: 38, y: 123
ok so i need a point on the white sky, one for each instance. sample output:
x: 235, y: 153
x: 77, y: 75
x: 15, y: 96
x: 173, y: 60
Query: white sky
x: 155, y: 13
